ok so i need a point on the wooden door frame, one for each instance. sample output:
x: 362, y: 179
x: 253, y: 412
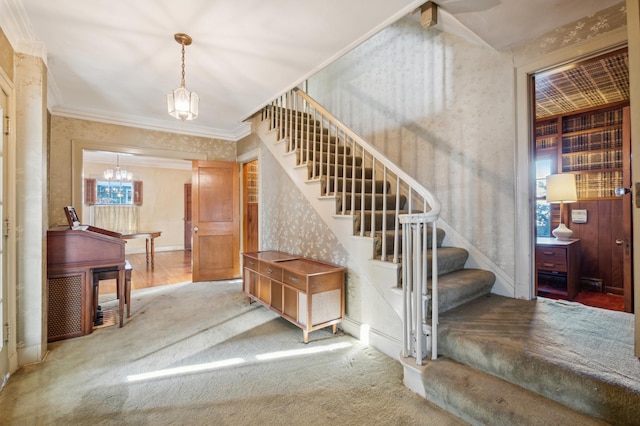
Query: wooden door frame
x: 633, y: 26
x: 9, y: 259
x: 243, y: 159
x: 524, y: 286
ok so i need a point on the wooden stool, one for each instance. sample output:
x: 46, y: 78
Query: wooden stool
x: 112, y: 274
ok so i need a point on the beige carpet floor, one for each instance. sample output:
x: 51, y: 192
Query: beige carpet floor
x: 198, y: 354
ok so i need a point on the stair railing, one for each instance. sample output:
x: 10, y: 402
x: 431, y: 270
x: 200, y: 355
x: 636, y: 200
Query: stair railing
x: 343, y: 161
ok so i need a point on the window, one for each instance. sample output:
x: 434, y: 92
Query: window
x: 544, y: 166
x: 114, y: 192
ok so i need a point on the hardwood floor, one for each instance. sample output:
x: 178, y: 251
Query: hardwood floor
x: 170, y: 267
x: 612, y: 302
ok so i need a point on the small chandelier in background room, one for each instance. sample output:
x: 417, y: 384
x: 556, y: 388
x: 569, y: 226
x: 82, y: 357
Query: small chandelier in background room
x: 119, y: 175
x: 181, y: 103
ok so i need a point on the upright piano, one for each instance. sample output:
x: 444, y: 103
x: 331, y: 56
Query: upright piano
x: 72, y: 254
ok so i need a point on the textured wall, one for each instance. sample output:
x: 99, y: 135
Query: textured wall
x: 249, y: 142
x: 443, y: 110
x: 6, y: 55
x: 290, y: 224
x: 64, y: 130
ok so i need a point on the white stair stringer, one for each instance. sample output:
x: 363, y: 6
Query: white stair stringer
x: 382, y: 276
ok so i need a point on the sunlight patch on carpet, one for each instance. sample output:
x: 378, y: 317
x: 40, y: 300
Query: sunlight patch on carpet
x: 187, y: 369
x: 305, y: 351
x: 198, y: 368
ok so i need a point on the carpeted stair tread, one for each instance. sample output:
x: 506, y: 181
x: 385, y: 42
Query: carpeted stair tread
x: 557, y: 349
x: 319, y: 146
x: 331, y: 171
x: 464, y: 285
x: 361, y: 219
x: 450, y: 259
x: 348, y: 160
x: 301, y: 136
x: 355, y: 202
x: 328, y: 184
x: 481, y: 398
x: 377, y: 249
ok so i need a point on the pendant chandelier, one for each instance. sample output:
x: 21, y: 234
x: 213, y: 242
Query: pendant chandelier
x: 181, y: 103
x: 120, y: 175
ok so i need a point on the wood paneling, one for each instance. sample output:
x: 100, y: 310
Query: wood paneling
x: 600, y: 256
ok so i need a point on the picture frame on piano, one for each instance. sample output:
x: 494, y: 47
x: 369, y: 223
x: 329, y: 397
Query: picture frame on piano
x: 72, y: 217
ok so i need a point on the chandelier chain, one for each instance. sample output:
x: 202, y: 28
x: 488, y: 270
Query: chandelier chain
x: 182, y: 64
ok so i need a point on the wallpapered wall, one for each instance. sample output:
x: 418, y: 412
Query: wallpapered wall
x: 290, y: 224
x: 442, y: 109
x: 64, y: 130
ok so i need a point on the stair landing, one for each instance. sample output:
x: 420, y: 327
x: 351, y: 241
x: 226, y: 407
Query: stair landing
x: 568, y: 353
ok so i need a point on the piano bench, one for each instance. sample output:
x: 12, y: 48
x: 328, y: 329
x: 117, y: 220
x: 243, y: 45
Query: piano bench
x: 100, y: 274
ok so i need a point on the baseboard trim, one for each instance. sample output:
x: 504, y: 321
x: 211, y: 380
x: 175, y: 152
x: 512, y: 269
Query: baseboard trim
x: 382, y: 342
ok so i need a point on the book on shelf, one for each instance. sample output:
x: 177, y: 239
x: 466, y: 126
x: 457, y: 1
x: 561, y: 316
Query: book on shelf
x: 592, y: 121
x: 547, y: 128
x: 607, y: 139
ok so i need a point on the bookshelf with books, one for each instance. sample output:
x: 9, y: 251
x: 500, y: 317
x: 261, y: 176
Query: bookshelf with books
x: 547, y: 135
x: 593, y: 147
x: 593, y: 144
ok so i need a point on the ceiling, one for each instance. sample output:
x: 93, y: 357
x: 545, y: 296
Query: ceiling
x: 115, y: 61
x: 590, y: 83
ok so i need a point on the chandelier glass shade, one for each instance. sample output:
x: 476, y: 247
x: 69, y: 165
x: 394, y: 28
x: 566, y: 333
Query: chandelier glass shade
x: 181, y: 103
x: 119, y: 175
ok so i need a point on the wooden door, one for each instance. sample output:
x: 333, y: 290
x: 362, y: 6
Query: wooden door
x: 216, y: 221
x: 627, y: 231
x: 187, y: 216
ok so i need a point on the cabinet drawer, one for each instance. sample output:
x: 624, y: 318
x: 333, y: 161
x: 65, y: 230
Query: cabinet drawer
x: 295, y: 280
x: 551, y: 259
x: 251, y: 264
x: 271, y: 271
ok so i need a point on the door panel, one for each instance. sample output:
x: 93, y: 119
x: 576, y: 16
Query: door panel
x: 216, y: 221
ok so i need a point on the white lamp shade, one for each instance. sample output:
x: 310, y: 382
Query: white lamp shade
x: 183, y: 104
x: 561, y: 187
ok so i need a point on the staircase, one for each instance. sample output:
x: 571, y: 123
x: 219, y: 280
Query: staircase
x: 387, y: 223
x: 364, y: 199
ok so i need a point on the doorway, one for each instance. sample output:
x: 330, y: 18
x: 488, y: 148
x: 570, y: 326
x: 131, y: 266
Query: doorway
x: 163, y: 175
x: 582, y: 131
x: 250, y: 206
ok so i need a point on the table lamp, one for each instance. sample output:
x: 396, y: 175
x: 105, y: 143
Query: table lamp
x: 561, y: 188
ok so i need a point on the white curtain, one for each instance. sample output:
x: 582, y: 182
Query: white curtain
x: 118, y: 218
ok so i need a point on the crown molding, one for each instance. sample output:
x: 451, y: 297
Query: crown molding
x: 17, y: 27
x: 179, y: 127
